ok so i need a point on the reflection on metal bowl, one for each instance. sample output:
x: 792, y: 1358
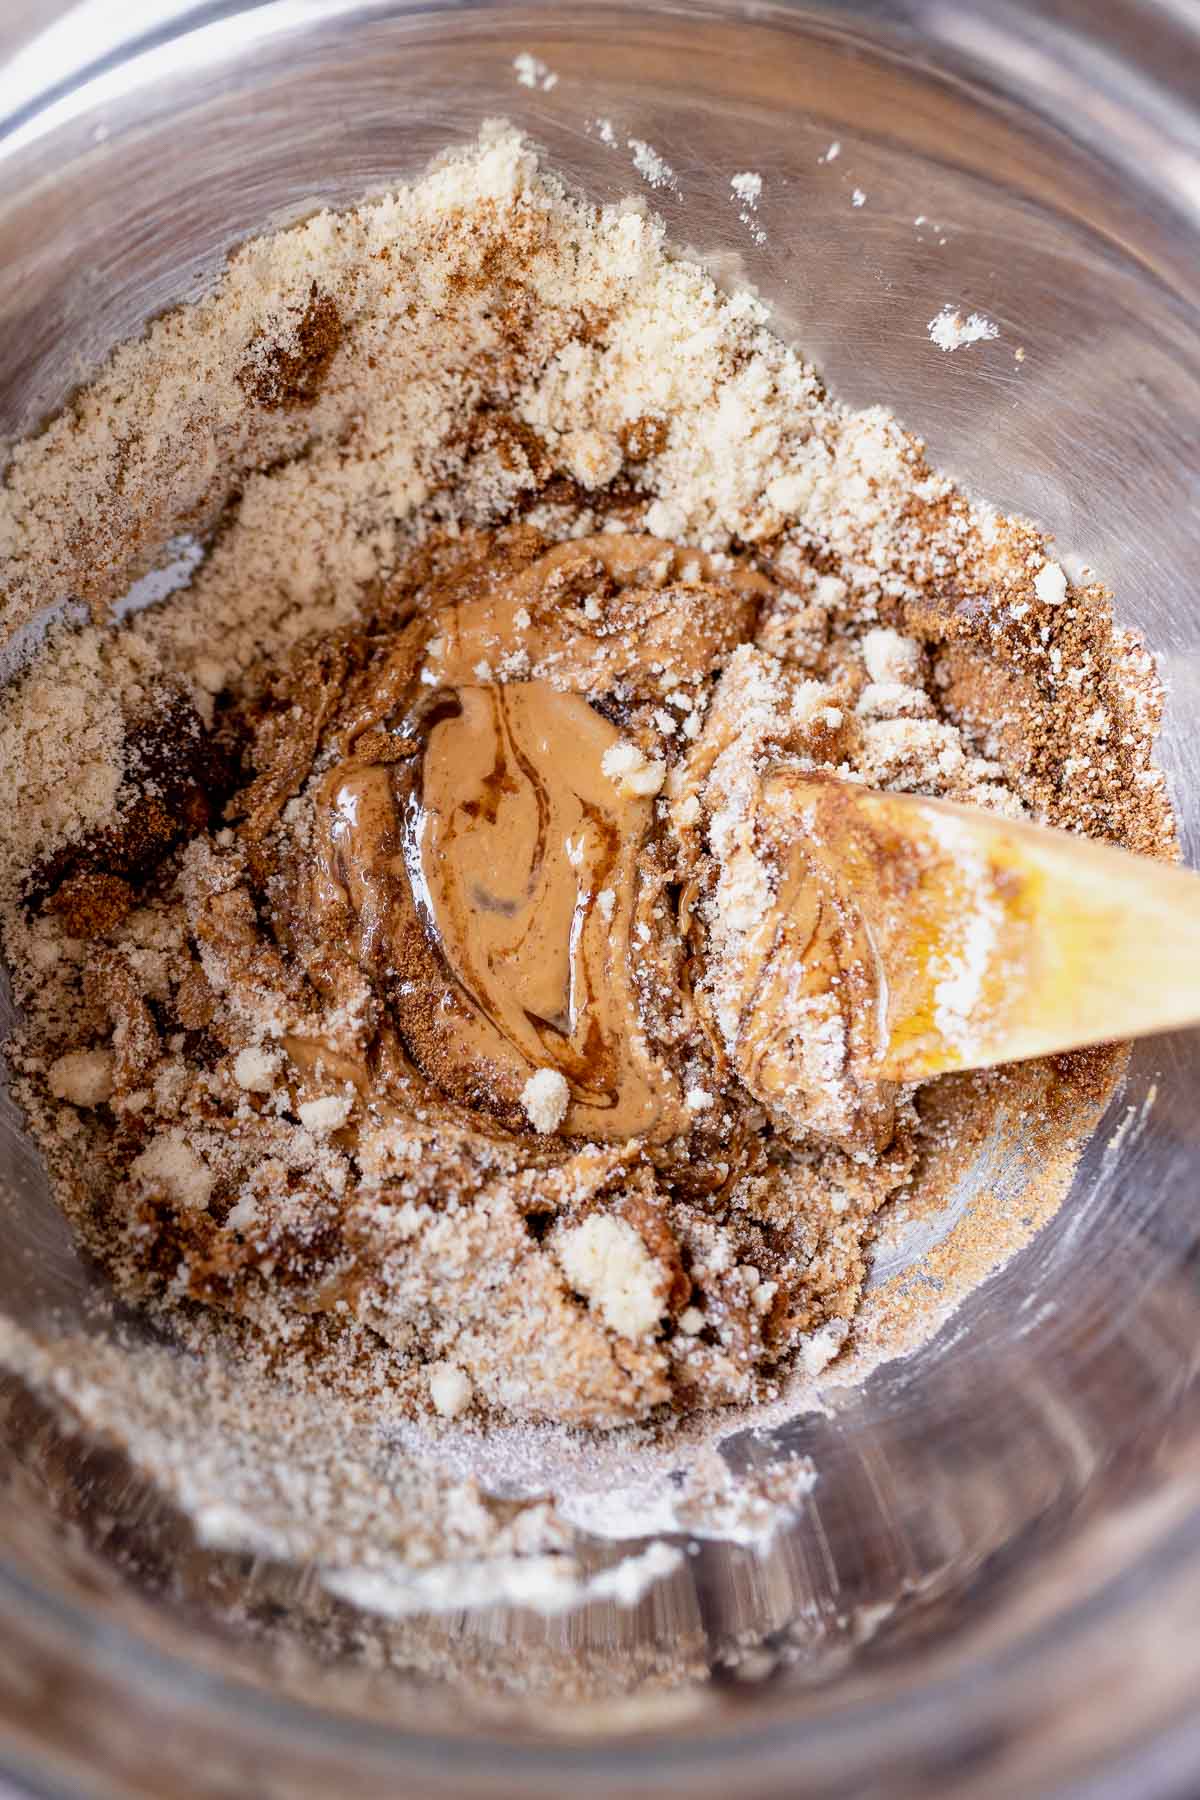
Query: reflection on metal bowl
x: 991, y: 1587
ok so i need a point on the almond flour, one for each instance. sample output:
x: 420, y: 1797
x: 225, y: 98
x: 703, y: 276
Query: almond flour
x: 483, y: 391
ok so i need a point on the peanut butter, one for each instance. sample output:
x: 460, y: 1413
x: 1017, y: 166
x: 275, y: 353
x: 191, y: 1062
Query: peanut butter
x: 476, y: 867
x: 484, y: 859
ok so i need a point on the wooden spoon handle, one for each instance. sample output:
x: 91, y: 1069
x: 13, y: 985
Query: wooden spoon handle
x: 1107, y: 943
x: 997, y: 940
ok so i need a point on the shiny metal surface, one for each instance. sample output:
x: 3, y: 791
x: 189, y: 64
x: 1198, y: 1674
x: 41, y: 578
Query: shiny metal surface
x: 994, y: 1586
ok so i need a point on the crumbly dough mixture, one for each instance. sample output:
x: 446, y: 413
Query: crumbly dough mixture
x: 395, y: 912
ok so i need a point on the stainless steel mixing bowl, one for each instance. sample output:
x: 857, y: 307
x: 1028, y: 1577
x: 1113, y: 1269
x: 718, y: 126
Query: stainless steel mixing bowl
x: 994, y: 1588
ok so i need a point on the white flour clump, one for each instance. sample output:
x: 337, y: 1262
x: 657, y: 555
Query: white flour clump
x: 531, y: 72
x: 1050, y: 584
x: 950, y: 331
x: 747, y: 189
x: 545, y: 1098
x: 650, y: 165
x: 450, y: 1389
x: 606, y: 1260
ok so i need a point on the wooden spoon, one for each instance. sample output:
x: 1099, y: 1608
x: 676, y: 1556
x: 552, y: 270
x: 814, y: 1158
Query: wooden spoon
x: 993, y: 940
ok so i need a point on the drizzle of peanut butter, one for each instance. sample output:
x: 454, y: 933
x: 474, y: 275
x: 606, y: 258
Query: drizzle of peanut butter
x: 488, y: 866
x: 497, y: 850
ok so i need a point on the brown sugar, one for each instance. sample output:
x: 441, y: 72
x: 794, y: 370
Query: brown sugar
x: 644, y: 437
x: 288, y: 372
x: 92, y: 904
